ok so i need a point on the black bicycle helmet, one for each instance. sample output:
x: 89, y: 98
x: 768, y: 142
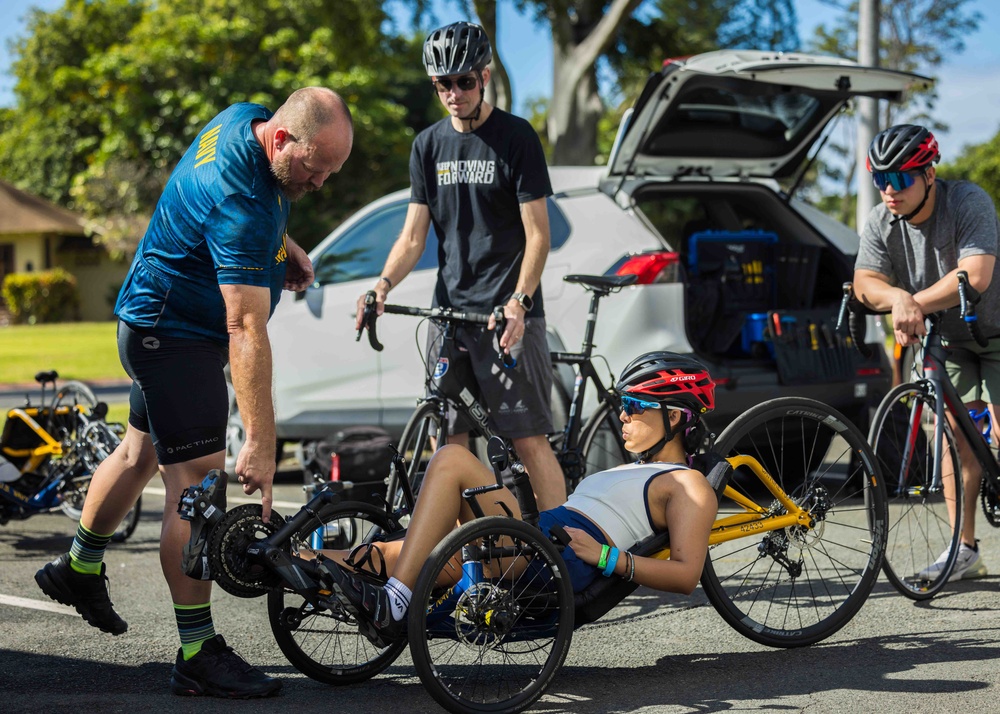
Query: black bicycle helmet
x: 458, y: 48
x: 674, y: 381
x: 904, y: 147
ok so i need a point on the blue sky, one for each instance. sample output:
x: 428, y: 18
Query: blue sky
x: 968, y: 89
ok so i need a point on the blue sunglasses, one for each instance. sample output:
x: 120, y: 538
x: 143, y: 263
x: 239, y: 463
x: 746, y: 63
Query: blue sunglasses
x: 631, y: 405
x: 899, y: 180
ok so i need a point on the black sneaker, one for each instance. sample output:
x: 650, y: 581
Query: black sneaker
x: 87, y: 593
x: 217, y: 671
x: 368, y: 602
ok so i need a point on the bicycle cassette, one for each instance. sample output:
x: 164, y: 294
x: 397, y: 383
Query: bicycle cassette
x: 231, y: 567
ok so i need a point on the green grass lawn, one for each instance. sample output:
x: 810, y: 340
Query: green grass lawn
x: 76, y: 350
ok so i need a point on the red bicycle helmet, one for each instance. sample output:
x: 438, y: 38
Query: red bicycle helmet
x: 903, y: 147
x: 671, y: 379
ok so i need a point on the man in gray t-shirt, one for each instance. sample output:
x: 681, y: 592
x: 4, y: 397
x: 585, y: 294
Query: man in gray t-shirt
x: 912, y: 247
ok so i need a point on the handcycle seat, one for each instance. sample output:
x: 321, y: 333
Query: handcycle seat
x: 46, y: 377
x: 602, y: 283
x: 602, y: 595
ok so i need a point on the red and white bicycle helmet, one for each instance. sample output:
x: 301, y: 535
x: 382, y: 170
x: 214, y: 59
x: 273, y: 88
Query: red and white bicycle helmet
x: 671, y: 379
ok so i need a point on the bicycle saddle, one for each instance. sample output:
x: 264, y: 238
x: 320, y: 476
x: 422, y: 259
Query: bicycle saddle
x: 604, y: 283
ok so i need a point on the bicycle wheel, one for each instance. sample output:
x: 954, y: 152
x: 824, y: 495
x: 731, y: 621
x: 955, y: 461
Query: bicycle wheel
x: 925, y: 521
x: 494, y: 641
x: 323, y: 646
x: 417, y: 445
x: 798, y: 585
x: 601, y: 443
x: 74, y: 396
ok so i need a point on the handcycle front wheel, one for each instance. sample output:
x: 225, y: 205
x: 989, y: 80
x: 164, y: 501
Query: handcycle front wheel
x: 798, y: 585
x: 925, y: 520
x: 325, y: 647
x: 493, y: 641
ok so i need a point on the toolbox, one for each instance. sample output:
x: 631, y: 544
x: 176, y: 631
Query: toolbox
x: 808, y: 349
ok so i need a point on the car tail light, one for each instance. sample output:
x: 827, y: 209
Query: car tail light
x: 655, y: 267
x: 867, y: 371
x: 335, y: 466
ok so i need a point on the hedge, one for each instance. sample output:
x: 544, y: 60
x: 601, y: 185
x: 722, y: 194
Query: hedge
x: 48, y: 296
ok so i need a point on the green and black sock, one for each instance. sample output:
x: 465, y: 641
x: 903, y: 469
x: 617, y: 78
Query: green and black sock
x: 87, y: 552
x: 194, y: 623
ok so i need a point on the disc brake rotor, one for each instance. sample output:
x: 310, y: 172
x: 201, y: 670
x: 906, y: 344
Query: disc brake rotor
x: 231, y: 567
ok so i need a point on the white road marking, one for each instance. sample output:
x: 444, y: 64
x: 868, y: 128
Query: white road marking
x: 37, y: 605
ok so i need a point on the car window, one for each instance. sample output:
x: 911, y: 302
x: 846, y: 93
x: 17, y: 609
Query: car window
x: 360, y: 252
x: 743, y: 120
x: 559, y: 229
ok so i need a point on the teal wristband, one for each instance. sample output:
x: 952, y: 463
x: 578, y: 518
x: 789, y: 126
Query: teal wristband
x: 605, y: 549
x: 612, y: 562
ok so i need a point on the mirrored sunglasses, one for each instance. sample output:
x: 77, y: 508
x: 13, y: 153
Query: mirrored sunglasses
x: 631, y: 405
x: 466, y: 83
x: 899, y: 180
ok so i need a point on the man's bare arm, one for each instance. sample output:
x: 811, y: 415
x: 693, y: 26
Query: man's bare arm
x: 247, y: 311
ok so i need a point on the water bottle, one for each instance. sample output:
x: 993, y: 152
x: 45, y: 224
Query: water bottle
x: 985, y: 427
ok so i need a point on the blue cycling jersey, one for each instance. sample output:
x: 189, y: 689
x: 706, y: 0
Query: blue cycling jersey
x: 220, y: 221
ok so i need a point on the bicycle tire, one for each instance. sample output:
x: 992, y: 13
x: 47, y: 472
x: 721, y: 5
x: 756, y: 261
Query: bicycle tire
x: 492, y: 645
x: 601, y: 444
x: 321, y: 646
x: 71, y: 394
x: 920, y: 528
x: 417, y: 445
x: 796, y: 586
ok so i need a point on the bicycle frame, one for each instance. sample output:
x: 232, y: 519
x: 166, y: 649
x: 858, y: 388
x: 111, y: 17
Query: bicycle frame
x: 935, y: 377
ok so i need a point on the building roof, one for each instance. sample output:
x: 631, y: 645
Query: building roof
x: 22, y: 212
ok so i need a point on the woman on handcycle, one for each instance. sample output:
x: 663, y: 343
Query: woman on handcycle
x: 663, y: 397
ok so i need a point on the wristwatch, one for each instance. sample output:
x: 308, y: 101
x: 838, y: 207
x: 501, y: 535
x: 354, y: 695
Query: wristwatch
x: 524, y: 300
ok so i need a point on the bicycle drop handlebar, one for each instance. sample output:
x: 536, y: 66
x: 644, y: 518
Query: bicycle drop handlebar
x: 968, y: 298
x: 447, y: 314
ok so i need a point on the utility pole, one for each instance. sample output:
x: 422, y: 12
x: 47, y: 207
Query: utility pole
x: 868, y: 22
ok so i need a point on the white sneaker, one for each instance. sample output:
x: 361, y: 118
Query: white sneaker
x: 968, y: 565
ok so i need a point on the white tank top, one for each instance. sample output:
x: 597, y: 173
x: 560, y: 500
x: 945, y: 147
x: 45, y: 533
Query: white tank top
x: 617, y: 500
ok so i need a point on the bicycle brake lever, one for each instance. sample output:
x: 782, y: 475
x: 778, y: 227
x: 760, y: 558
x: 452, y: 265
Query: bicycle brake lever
x: 506, y: 359
x: 368, y: 319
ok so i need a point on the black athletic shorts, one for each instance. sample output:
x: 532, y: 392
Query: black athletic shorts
x: 179, y: 394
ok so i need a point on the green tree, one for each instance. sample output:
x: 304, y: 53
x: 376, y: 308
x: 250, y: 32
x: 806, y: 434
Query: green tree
x: 131, y: 100
x: 914, y: 36
x: 979, y: 163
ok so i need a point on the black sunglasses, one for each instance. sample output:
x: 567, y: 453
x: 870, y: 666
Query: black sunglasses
x: 444, y: 84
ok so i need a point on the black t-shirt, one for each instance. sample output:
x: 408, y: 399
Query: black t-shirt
x: 473, y: 183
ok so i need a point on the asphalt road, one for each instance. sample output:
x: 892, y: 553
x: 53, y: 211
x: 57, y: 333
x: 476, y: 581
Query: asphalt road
x: 654, y: 653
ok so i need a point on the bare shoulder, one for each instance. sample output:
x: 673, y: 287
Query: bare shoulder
x: 689, y: 482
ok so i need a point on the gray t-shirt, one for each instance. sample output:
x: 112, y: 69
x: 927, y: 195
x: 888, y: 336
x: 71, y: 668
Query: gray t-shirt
x: 914, y: 257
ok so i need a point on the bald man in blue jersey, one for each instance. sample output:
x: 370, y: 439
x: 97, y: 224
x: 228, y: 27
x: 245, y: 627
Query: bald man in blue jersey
x: 204, y: 282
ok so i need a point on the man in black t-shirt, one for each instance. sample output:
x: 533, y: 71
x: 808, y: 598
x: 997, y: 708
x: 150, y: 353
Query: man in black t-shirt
x: 480, y: 176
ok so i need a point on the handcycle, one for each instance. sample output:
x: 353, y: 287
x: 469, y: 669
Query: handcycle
x: 56, y: 446
x: 793, y: 555
x: 917, y: 451
x: 582, y: 448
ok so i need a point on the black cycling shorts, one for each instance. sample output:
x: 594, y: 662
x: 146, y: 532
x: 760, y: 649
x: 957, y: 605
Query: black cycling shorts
x: 179, y: 394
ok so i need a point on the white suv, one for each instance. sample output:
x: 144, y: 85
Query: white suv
x: 689, y: 201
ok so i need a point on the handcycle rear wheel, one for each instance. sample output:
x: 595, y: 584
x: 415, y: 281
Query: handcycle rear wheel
x: 320, y: 645
x: 920, y: 529
x: 798, y: 585
x: 493, y: 642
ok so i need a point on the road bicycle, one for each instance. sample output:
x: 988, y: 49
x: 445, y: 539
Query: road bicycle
x: 917, y: 451
x: 582, y: 448
x: 53, y: 448
x: 793, y: 555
